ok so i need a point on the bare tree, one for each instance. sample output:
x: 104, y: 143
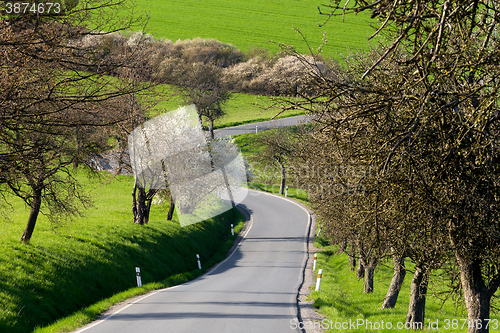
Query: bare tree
x: 430, y: 97
x: 396, y: 282
x: 201, y: 85
x: 57, y: 102
x: 277, y: 146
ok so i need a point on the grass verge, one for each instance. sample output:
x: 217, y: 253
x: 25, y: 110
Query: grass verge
x: 341, y: 299
x: 82, y: 267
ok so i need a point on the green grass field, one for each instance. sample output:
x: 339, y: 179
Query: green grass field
x: 247, y: 24
x: 245, y: 108
x: 341, y: 298
x: 240, y: 109
x: 69, y: 266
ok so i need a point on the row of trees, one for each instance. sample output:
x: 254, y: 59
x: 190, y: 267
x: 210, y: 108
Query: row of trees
x: 420, y: 114
x: 59, y: 104
x: 402, y: 160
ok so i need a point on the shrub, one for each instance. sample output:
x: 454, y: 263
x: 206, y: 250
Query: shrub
x: 283, y: 76
x: 167, y: 62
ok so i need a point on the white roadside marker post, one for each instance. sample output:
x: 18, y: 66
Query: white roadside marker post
x: 314, y: 263
x: 286, y: 191
x: 255, y: 129
x: 199, y: 263
x: 319, y: 231
x: 138, y: 275
x: 232, y: 230
x: 318, y: 281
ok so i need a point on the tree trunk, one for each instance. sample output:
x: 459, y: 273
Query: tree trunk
x: 170, y: 213
x: 283, y: 178
x: 134, y: 202
x: 360, y: 271
x: 369, y: 272
x: 140, y: 206
x: 343, y: 246
x: 416, y: 310
x: 76, y: 158
x: 148, y: 210
x: 352, y: 257
x: 477, y: 295
x: 228, y: 187
x: 36, y: 203
x: 211, y: 128
x: 396, y: 282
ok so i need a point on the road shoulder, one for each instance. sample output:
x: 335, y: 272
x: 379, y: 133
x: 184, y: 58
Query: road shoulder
x: 307, y: 313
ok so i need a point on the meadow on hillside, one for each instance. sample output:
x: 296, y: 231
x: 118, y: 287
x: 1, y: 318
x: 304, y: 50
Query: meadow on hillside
x: 255, y: 23
x: 71, y: 265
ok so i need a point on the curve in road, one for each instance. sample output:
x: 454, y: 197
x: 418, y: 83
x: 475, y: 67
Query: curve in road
x: 253, y: 290
x: 262, y: 126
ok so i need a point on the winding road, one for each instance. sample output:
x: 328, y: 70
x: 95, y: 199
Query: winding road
x: 253, y: 290
x: 262, y: 126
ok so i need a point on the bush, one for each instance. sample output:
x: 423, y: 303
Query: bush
x: 164, y: 61
x: 243, y: 77
x: 284, y: 76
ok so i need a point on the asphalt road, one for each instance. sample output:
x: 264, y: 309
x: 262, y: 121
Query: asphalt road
x: 264, y: 125
x: 109, y: 161
x: 253, y: 290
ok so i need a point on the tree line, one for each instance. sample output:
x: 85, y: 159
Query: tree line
x: 59, y: 104
x: 421, y: 111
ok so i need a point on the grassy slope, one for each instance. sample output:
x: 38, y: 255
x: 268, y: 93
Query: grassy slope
x: 69, y: 266
x: 253, y: 23
x: 245, y: 108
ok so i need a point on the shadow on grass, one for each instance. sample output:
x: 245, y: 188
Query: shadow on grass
x: 55, y: 279
x: 321, y: 242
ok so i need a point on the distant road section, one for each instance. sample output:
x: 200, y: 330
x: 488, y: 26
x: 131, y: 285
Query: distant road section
x: 109, y: 161
x: 253, y: 290
x: 262, y: 126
